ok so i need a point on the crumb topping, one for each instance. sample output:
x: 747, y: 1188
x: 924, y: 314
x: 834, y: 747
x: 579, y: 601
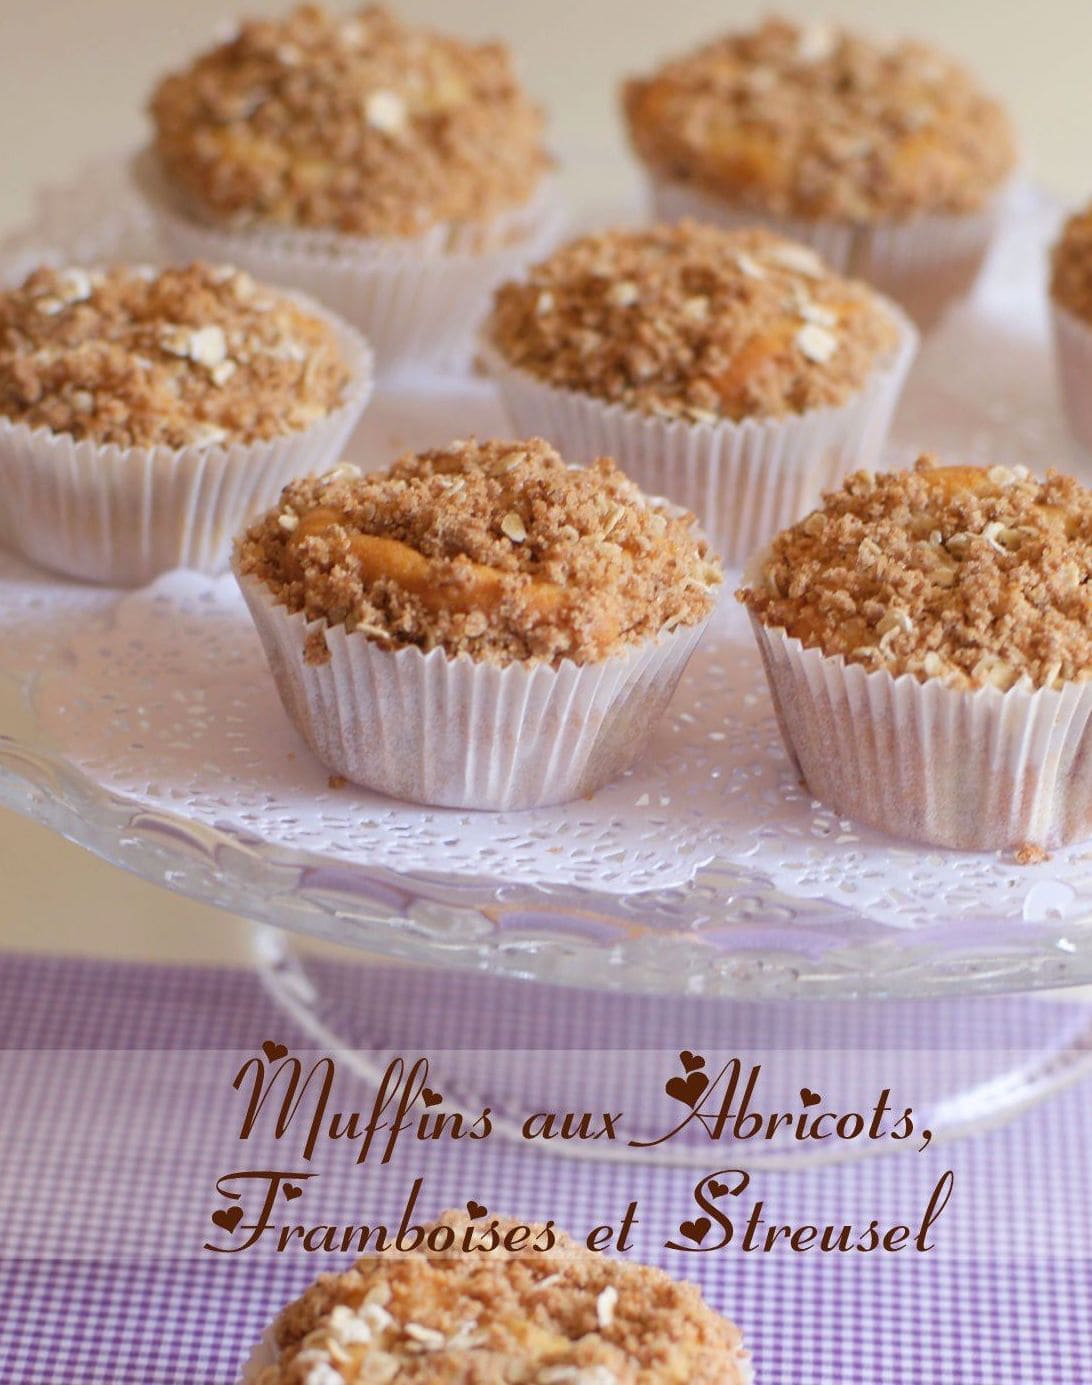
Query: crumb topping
x: 354, y: 123
x: 978, y: 577
x: 1071, y: 266
x: 816, y: 122
x: 695, y: 322
x: 140, y: 358
x: 498, y: 550
x: 500, y: 1318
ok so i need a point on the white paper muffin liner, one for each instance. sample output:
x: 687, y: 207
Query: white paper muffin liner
x: 418, y: 301
x: 121, y: 516
x: 450, y: 732
x: 975, y: 771
x: 744, y: 481
x: 925, y: 264
x: 1073, y: 356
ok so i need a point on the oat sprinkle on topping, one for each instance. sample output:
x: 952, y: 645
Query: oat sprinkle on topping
x: 532, y: 1315
x: 980, y: 577
x: 693, y: 322
x: 140, y: 357
x: 498, y: 550
x: 349, y: 122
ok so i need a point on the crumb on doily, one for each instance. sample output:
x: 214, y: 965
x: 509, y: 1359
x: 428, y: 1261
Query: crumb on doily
x: 1029, y: 854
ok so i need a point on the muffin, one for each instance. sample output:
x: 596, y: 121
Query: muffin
x: 481, y: 626
x: 394, y: 173
x: 551, y: 1313
x: 889, y: 159
x: 1071, y: 315
x: 145, y: 415
x: 728, y: 370
x: 927, y: 637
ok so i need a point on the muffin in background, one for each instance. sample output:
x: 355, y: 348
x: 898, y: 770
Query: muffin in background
x: 927, y: 638
x: 146, y: 414
x: 730, y: 371
x: 547, y: 1311
x: 888, y: 158
x: 1071, y: 319
x: 395, y: 173
x: 481, y: 626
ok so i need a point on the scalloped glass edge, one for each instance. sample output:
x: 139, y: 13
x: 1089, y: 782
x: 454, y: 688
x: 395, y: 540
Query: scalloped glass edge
x: 570, y: 937
x: 728, y: 933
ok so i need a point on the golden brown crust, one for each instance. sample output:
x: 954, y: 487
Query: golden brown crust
x: 976, y: 577
x: 815, y: 122
x: 497, y: 550
x: 351, y: 123
x: 140, y: 358
x: 1071, y: 266
x: 563, y: 1317
x: 694, y: 322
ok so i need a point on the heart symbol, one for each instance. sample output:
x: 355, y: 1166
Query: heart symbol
x: 809, y: 1098
x: 274, y: 1051
x: 691, y: 1061
x: 716, y: 1188
x: 291, y: 1192
x: 227, y: 1218
x: 475, y: 1209
x: 695, y: 1231
x: 688, y: 1090
x: 430, y: 1098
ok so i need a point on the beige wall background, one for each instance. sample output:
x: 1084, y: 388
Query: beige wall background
x: 74, y: 75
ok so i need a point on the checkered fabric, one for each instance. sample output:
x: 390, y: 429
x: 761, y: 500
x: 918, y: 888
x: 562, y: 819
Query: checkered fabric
x: 103, y: 1282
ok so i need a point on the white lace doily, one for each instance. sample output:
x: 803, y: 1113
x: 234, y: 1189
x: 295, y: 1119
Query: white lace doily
x: 706, y: 867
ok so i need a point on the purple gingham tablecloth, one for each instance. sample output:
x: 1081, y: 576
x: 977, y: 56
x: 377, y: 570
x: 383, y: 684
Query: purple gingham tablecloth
x: 83, y: 1307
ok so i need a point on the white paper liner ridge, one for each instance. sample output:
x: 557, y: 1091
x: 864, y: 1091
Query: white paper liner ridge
x: 974, y: 771
x: 418, y: 300
x: 925, y: 264
x: 103, y: 513
x: 450, y: 732
x: 744, y: 481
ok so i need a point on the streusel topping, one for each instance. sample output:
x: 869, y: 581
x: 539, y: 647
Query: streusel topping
x: 1071, y: 266
x: 138, y: 357
x: 815, y: 122
x: 497, y: 550
x: 694, y: 322
x: 979, y: 577
x: 559, y: 1317
x: 354, y: 123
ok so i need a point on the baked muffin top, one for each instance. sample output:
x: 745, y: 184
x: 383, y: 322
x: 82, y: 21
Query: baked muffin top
x: 978, y: 577
x: 557, y: 1316
x: 816, y: 122
x: 497, y: 550
x: 139, y: 357
x: 694, y: 322
x: 351, y: 123
x: 1071, y: 265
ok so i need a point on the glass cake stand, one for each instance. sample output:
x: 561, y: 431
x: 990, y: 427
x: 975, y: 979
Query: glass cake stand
x: 701, y: 899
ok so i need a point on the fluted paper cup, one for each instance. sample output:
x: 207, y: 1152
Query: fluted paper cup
x: 975, y: 771
x: 744, y: 481
x: 1073, y: 357
x: 262, y: 1358
x: 418, y: 300
x: 451, y: 732
x: 925, y: 264
x: 122, y: 515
